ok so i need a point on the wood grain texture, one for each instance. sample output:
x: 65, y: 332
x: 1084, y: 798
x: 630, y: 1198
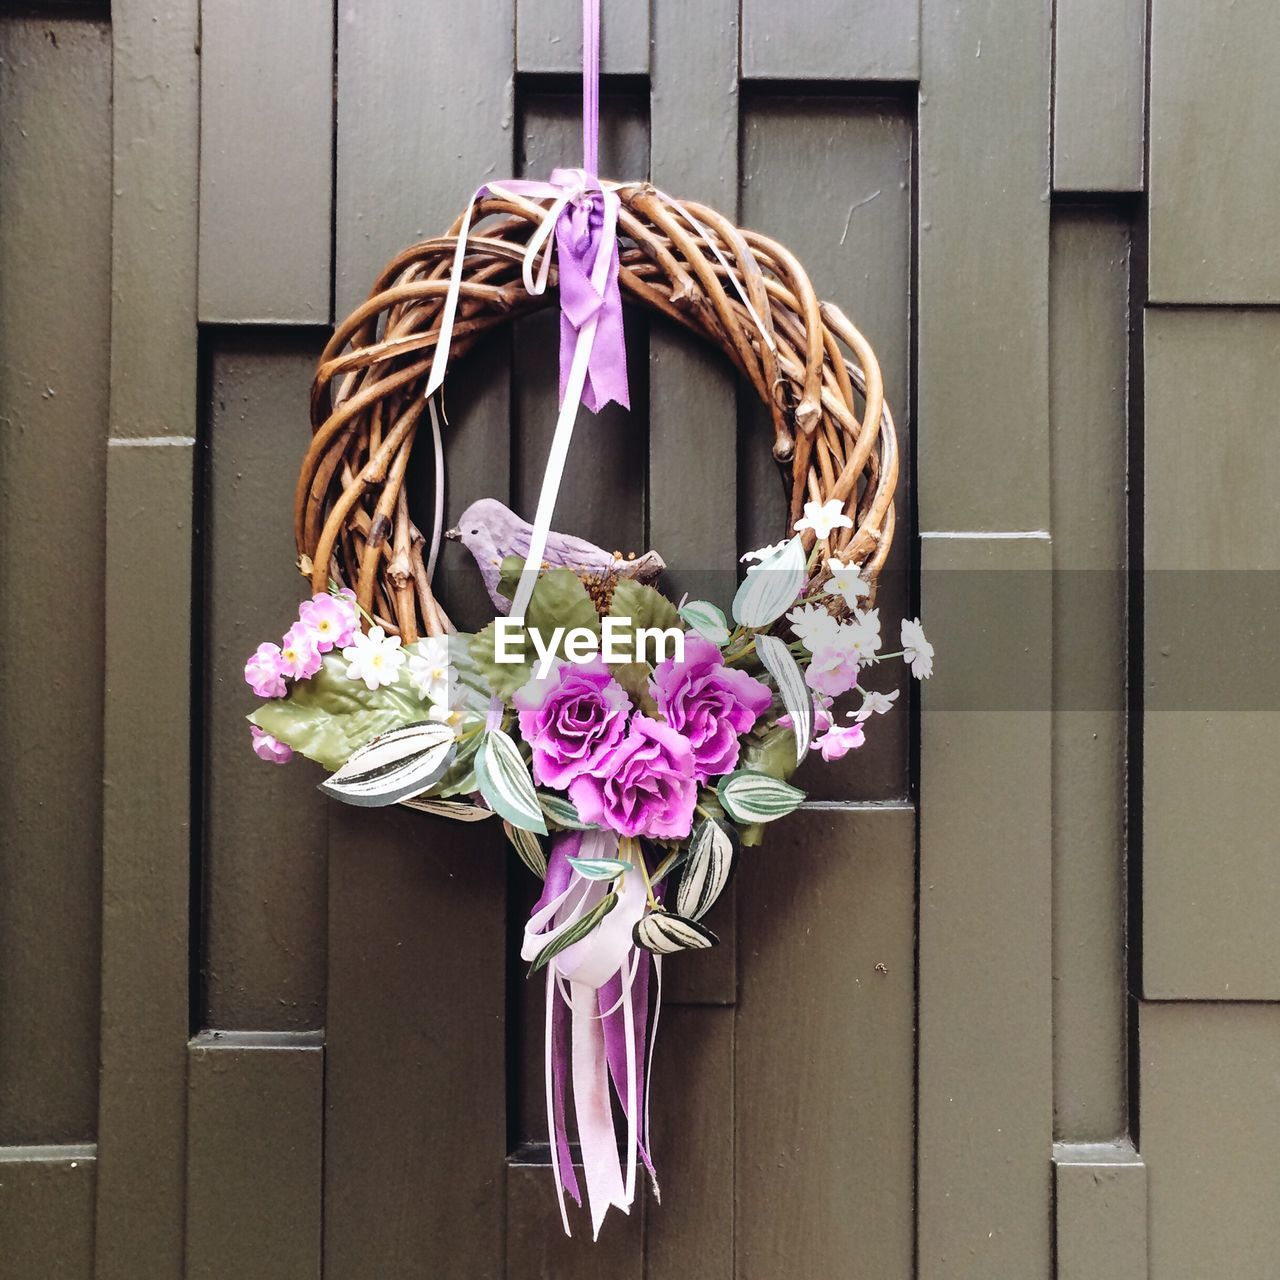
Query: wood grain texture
x: 265, y: 829
x: 46, y: 1212
x: 1212, y: 549
x: 1210, y: 1126
x: 266, y: 160
x: 1214, y: 155
x: 823, y: 1085
x: 852, y: 232
x: 146, y: 860
x: 1088, y: 365
x: 155, y: 127
x: 55, y: 207
x: 693, y: 523
x: 1099, y: 94
x: 985, y: 1016
x: 1100, y: 1211
x: 415, y: 1094
x: 254, y: 1117
x: 982, y: 296
x: 831, y: 40
x: 549, y: 37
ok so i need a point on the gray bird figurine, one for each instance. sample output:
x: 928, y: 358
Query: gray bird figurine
x: 492, y: 531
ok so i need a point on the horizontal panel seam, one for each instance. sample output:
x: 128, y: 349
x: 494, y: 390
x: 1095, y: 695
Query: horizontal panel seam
x: 51, y: 1154
x: 151, y: 442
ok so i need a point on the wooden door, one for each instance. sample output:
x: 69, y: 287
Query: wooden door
x: 999, y: 1002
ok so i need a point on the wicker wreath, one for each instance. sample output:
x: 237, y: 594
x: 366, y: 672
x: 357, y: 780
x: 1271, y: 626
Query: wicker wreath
x: 816, y: 373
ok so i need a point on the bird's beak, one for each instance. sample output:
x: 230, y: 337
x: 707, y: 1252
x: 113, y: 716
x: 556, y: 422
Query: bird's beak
x: 454, y: 535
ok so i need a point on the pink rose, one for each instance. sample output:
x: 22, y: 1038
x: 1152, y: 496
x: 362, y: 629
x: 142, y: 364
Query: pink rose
x: 643, y: 786
x: 268, y: 748
x: 299, y: 654
x: 571, y: 719
x: 264, y: 672
x: 710, y: 704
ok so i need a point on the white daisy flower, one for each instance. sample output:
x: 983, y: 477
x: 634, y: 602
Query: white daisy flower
x: 813, y: 626
x: 429, y: 669
x: 917, y: 652
x: 864, y: 637
x: 441, y: 713
x: 874, y: 704
x: 763, y: 553
x: 824, y: 517
x: 374, y: 657
x: 847, y: 581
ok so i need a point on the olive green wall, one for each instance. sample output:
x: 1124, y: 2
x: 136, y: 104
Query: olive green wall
x: 1003, y: 1001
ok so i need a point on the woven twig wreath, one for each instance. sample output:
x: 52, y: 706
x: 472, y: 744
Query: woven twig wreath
x: 816, y: 373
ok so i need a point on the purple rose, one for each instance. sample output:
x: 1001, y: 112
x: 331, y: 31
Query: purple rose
x: 711, y: 704
x: 643, y: 786
x: 571, y: 719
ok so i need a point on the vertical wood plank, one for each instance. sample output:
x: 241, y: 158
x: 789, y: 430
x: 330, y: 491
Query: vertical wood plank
x: 1210, y: 1127
x: 1212, y: 549
x: 1088, y: 361
x: 852, y: 232
x: 46, y: 1212
x: 254, y: 1116
x: 415, y: 1094
x: 266, y: 160
x: 146, y: 767
x: 983, y: 271
x: 831, y: 40
x: 1100, y: 1211
x: 1099, y: 94
x: 985, y: 1019
x: 265, y: 833
x: 1212, y: 207
x: 55, y: 208
x: 825, y: 1047
x: 693, y: 523
x: 549, y: 37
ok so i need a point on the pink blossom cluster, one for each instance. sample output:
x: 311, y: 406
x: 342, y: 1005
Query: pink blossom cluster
x: 324, y: 622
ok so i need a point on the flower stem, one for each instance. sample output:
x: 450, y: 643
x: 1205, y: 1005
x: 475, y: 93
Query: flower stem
x: 633, y: 853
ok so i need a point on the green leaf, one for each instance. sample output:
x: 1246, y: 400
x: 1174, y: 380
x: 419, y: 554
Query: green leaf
x: 561, y: 811
x: 707, y: 870
x: 599, y: 868
x: 329, y: 717
x: 575, y: 932
x: 560, y: 600
x: 664, y: 933
x: 634, y: 678
x: 457, y: 810
x: 750, y: 797
x: 393, y: 766
x: 502, y: 678
x: 774, y: 753
x: 646, y: 609
x: 505, y: 783
x: 707, y: 621
x: 771, y: 587
x: 528, y: 848
x: 796, y: 696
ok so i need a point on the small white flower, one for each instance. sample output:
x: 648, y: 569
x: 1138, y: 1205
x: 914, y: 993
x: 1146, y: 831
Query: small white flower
x: 824, y: 517
x: 874, y: 704
x: 441, y: 713
x: 916, y: 650
x: 375, y: 658
x: 429, y: 669
x: 847, y: 581
x: 864, y: 634
x: 813, y: 626
x: 763, y: 553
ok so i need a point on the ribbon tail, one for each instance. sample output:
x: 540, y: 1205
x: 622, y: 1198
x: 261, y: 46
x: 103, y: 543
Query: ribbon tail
x: 560, y: 1161
x: 600, y: 1164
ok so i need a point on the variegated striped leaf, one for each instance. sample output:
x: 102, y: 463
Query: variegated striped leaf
x: 575, y: 932
x: 599, y: 868
x: 771, y: 587
x: 796, y: 696
x: 750, y: 797
x: 561, y: 811
x: 393, y: 766
x: 529, y: 849
x: 458, y: 810
x: 664, y: 933
x: 707, y: 621
x: 505, y: 783
x: 707, y: 870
